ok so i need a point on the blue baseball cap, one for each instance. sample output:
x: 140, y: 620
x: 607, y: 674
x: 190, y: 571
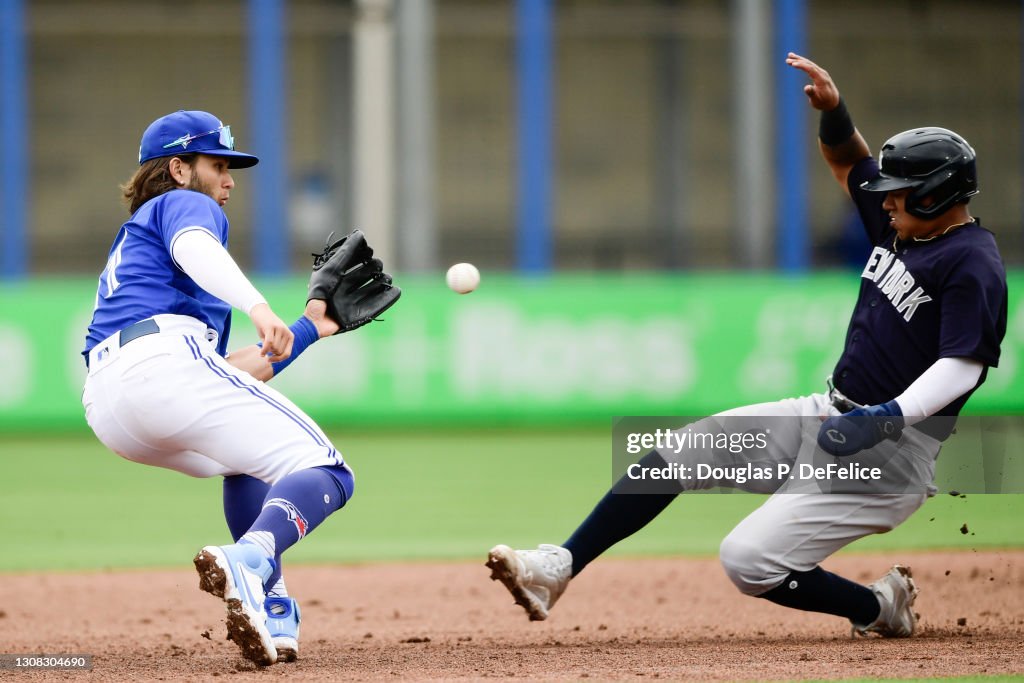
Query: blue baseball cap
x: 185, y: 132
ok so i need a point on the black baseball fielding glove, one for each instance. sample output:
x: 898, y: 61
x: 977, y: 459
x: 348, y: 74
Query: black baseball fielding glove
x: 352, y: 282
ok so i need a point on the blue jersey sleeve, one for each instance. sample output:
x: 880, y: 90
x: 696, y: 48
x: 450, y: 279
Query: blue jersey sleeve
x: 186, y: 209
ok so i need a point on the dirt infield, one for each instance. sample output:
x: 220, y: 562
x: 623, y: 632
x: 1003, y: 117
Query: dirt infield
x: 665, y: 618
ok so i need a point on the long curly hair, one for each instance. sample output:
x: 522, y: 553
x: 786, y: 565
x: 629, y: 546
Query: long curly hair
x: 151, y: 179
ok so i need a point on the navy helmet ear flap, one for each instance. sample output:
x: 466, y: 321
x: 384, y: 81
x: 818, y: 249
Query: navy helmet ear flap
x: 946, y: 187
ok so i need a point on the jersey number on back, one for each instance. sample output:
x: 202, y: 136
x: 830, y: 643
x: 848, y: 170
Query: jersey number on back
x: 108, y: 278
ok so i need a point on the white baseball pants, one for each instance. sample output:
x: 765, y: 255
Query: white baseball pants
x: 798, y: 526
x: 170, y: 400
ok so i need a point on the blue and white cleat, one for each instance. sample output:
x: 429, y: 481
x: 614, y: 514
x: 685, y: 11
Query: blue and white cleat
x: 283, y: 617
x: 236, y: 573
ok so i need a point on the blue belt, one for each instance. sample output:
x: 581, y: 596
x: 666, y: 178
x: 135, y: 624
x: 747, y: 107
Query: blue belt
x: 133, y: 332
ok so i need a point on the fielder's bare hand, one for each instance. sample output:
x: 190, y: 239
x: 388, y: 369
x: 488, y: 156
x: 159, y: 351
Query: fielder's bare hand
x: 277, y: 338
x: 821, y: 92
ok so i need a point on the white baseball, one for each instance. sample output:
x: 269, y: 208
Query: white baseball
x: 463, y: 278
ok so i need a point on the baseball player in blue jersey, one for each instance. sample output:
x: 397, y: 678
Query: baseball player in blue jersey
x: 162, y: 389
x: 927, y: 325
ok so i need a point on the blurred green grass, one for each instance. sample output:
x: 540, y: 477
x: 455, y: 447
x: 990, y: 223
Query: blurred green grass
x: 68, y: 503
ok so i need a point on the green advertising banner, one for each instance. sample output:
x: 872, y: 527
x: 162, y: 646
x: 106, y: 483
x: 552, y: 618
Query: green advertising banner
x: 538, y: 350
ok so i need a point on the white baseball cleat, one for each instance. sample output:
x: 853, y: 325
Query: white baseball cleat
x: 236, y: 573
x: 535, y: 578
x: 896, y: 593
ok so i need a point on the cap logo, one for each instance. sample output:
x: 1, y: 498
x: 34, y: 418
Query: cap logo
x: 224, y: 138
x: 183, y: 141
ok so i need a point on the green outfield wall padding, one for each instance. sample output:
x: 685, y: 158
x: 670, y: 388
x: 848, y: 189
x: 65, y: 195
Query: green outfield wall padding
x: 553, y: 349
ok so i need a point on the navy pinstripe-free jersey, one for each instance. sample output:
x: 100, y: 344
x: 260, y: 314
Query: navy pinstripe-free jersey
x: 919, y: 301
x: 141, y: 279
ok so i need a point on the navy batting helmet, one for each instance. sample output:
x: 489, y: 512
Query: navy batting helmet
x: 933, y: 163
